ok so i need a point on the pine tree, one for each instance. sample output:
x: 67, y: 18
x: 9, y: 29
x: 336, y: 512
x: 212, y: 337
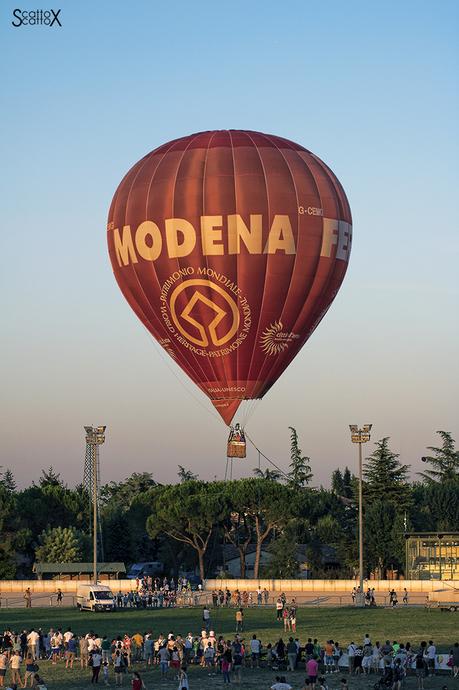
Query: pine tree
x: 342, y: 483
x: 300, y: 473
x: 50, y: 478
x: 444, y: 462
x: 8, y: 481
x: 385, y: 477
x: 337, y: 482
x: 59, y: 545
x: 348, y: 483
x: 186, y: 475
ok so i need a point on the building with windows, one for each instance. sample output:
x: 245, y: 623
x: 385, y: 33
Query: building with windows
x: 432, y: 555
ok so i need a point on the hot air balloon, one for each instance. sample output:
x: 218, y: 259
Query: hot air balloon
x: 230, y: 246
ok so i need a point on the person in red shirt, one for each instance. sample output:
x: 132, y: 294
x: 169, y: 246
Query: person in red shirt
x: 137, y: 682
x: 312, y: 669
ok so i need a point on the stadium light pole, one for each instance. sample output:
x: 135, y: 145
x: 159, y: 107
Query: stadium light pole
x: 95, y: 436
x: 360, y: 436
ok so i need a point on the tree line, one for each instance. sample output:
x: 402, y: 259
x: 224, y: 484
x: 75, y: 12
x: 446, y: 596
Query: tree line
x: 186, y: 524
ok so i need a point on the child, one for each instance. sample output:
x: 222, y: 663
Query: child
x: 105, y: 670
x: 343, y: 684
x: 322, y: 683
x: 209, y: 654
x: 183, y: 679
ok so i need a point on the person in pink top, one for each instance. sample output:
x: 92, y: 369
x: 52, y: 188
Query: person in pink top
x: 312, y: 669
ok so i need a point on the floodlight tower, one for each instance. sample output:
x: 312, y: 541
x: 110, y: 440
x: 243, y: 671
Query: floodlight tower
x: 95, y: 436
x: 360, y: 436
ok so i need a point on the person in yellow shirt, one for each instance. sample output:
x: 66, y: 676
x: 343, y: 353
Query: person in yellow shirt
x: 137, y: 640
x: 239, y: 620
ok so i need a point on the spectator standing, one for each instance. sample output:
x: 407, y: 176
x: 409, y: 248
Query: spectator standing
x: 431, y: 654
x: 119, y: 667
x: 226, y: 663
x: 351, y: 656
x: 164, y: 656
x: 255, y: 651
x: 312, y: 669
x: 328, y: 657
x: 15, y: 667
x: 95, y: 663
x: 28, y: 598
x: 105, y: 647
x: 237, y: 656
x: 206, y: 618
x: 105, y: 671
x: 292, y: 653
x: 137, y: 682
x: 292, y: 615
x: 30, y: 670
x: 70, y: 652
x: 33, y: 643
x: 239, y: 620
x: 279, y: 609
x: 420, y: 665
x: 3, y: 667
x: 84, y: 654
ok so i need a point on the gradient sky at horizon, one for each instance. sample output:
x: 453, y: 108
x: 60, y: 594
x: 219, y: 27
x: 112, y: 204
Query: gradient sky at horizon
x: 371, y: 88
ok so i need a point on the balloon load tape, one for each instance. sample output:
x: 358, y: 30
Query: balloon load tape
x: 236, y: 447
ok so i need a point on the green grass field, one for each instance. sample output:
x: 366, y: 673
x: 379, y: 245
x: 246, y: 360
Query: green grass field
x: 343, y: 624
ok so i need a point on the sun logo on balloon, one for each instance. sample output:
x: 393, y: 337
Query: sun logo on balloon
x: 275, y: 340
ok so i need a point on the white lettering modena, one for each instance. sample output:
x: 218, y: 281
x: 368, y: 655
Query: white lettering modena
x: 219, y: 235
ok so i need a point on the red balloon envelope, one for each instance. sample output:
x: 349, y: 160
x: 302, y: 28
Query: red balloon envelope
x: 230, y: 246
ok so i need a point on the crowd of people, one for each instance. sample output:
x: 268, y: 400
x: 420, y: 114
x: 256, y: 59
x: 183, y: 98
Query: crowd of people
x: 155, y: 592
x: 110, y: 659
x: 369, y: 596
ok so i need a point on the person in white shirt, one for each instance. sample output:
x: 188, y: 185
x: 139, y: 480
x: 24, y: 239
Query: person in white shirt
x: 33, y: 643
x: 351, y: 656
x: 255, y: 650
x: 96, y: 658
x: 431, y: 654
x: 68, y: 635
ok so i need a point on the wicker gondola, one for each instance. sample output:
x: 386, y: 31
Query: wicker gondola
x: 236, y: 447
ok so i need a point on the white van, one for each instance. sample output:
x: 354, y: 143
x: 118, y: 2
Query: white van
x: 94, y: 598
x: 445, y: 599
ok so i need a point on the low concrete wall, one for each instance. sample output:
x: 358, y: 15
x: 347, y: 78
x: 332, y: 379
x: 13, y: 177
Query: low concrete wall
x: 51, y: 586
x: 382, y: 586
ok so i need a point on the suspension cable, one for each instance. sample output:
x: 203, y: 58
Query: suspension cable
x: 284, y: 475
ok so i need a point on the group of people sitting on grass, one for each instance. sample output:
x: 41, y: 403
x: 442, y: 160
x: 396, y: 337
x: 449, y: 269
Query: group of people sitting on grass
x: 174, y: 653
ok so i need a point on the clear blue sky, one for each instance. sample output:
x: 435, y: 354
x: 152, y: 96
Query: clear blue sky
x: 371, y: 88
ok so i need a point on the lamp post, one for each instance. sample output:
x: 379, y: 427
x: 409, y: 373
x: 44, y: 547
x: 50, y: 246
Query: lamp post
x: 95, y: 436
x: 360, y: 436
